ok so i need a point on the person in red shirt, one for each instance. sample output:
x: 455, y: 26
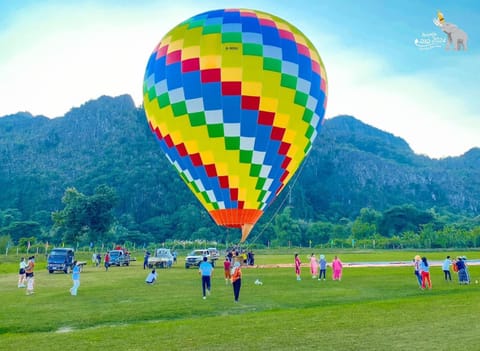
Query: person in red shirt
x: 226, y: 267
x: 298, y: 265
x: 107, y: 261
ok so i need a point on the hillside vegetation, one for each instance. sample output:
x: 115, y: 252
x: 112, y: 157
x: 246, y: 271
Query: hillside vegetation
x: 356, y: 176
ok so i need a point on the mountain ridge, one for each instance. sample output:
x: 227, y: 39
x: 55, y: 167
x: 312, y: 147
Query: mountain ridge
x: 108, y: 141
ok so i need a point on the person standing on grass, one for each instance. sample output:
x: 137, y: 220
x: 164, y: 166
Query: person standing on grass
x: 337, y: 267
x: 236, y: 280
x: 107, y: 261
x: 75, y: 278
x: 21, y: 273
x: 226, y: 268
x: 145, y: 259
x: 463, y: 277
x: 205, y: 270
x: 416, y: 265
x: 30, y: 275
x: 322, y: 265
x: 313, y: 266
x: 446, y: 269
x: 298, y: 265
x: 425, y: 272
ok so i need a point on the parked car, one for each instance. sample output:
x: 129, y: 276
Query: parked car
x: 195, y: 257
x: 163, y: 258
x: 60, y: 259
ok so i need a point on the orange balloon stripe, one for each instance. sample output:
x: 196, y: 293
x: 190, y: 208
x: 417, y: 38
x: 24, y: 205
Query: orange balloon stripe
x: 235, y: 218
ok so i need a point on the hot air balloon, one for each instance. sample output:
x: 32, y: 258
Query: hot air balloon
x: 235, y: 98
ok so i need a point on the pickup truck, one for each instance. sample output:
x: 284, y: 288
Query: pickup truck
x: 195, y: 257
x: 214, y: 252
x: 163, y: 258
x: 119, y: 258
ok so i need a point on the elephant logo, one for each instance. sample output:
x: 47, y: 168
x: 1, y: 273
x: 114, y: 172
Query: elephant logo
x: 455, y: 35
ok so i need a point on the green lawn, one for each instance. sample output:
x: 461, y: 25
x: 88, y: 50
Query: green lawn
x: 370, y: 309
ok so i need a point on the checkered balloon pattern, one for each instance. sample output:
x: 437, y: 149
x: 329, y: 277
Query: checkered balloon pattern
x: 235, y: 98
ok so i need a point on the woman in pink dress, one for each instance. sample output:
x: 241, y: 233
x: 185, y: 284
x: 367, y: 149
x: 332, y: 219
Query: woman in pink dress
x: 337, y: 268
x: 313, y: 266
x: 297, y: 266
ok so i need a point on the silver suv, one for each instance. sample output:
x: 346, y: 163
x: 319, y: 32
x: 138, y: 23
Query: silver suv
x: 195, y: 257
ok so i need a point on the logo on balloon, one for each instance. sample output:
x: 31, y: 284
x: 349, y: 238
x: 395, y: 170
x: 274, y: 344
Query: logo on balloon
x: 235, y: 98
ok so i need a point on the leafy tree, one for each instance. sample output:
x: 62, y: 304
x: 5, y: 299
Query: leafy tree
x: 138, y: 237
x: 287, y: 229
x: 23, y: 242
x: 5, y: 241
x: 320, y: 232
x: 428, y: 236
x: 343, y: 229
x: 411, y: 239
x: 188, y: 219
x: 474, y: 235
x: 365, y: 225
x: 159, y: 227
x: 44, y: 218
x: 18, y: 230
x: 400, y: 219
x: 202, y: 234
x: 100, y: 211
x: 9, y: 215
x: 86, y: 218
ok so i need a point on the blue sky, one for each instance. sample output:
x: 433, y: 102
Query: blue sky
x: 55, y: 55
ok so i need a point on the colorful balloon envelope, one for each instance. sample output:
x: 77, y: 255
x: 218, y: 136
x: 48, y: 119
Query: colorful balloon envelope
x: 235, y: 98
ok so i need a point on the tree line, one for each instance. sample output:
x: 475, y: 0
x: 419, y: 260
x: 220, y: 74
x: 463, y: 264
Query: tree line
x: 90, y: 220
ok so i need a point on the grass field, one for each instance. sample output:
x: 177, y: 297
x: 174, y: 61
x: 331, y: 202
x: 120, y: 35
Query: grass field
x: 370, y: 309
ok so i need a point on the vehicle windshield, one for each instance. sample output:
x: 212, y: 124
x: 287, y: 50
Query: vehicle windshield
x: 197, y: 253
x: 163, y: 252
x: 114, y: 254
x: 57, y: 257
x: 58, y: 253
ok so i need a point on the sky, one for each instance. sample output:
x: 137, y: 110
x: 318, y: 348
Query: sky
x: 58, y: 54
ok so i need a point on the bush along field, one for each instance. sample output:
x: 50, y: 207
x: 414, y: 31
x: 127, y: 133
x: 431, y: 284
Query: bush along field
x: 371, y: 308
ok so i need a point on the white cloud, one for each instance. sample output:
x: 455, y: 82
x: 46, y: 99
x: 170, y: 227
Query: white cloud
x: 55, y: 60
x: 429, y: 117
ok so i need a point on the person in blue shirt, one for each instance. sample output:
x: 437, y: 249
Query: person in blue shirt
x: 75, y: 278
x: 322, y: 263
x: 446, y: 269
x: 145, y: 259
x: 205, y: 270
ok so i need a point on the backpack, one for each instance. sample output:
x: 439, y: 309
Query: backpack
x: 455, y: 267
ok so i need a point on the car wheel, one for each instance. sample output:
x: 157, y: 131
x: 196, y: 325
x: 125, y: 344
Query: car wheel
x: 50, y: 271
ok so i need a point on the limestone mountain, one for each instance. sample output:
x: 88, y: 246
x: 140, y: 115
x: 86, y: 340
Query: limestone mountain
x: 107, y: 141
